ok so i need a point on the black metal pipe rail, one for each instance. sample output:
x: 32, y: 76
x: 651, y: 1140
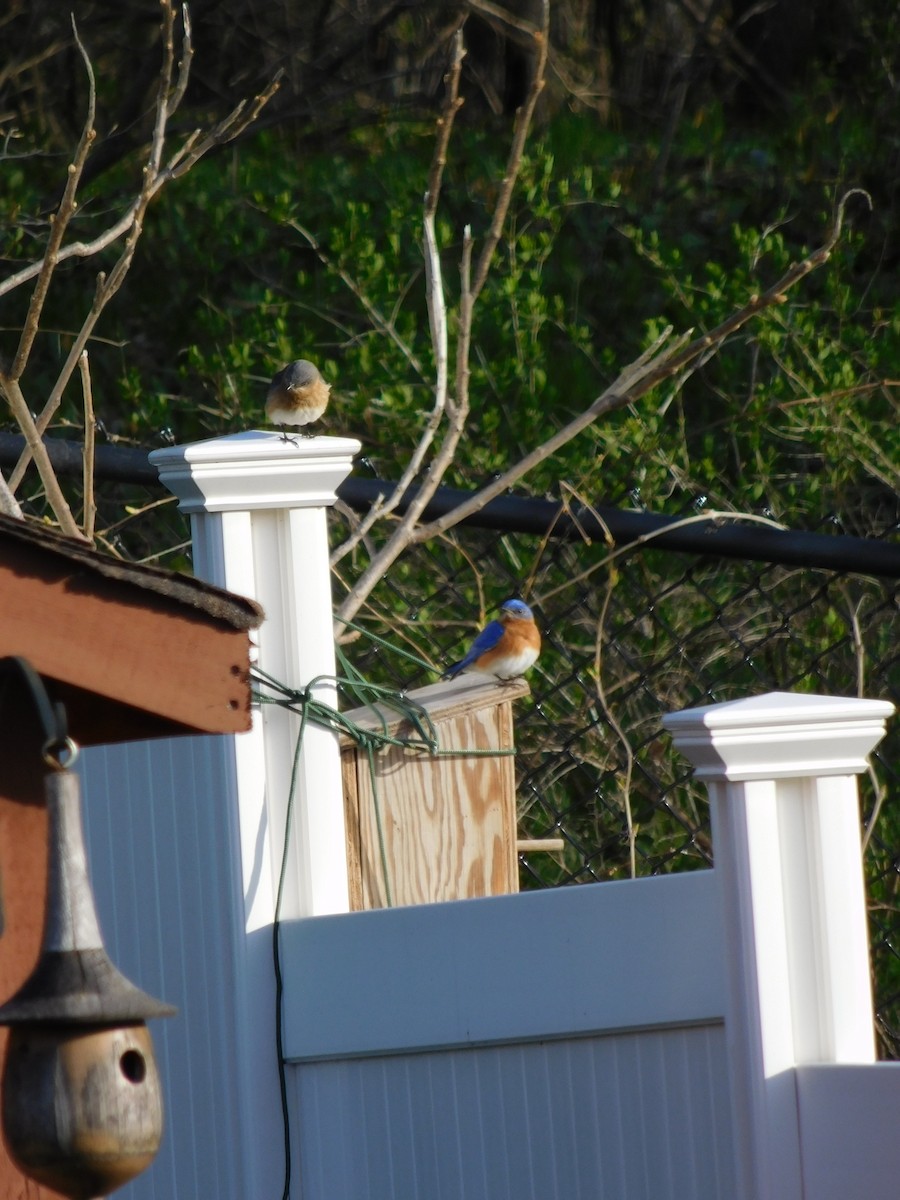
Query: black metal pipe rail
x: 112, y: 464
x: 724, y: 539
x: 522, y: 514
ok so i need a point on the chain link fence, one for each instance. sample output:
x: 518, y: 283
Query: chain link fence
x: 632, y: 635
x: 631, y: 631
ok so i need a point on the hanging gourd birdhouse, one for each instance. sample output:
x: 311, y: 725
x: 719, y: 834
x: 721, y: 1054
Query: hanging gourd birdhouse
x: 82, y: 1110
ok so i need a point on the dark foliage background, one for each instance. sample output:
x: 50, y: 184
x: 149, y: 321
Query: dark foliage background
x: 684, y: 155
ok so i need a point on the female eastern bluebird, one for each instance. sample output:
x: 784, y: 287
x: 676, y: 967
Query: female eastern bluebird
x: 297, y: 395
x: 505, y: 648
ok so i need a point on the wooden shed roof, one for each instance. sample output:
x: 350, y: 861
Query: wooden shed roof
x: 133, y: 651
x: 236, y: 611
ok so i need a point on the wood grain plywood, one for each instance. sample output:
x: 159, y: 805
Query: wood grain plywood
x: 422, y: 827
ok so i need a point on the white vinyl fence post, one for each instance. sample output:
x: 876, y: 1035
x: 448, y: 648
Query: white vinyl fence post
x: 786, y: 838
x: 258, y: 518
x: 258, y: 507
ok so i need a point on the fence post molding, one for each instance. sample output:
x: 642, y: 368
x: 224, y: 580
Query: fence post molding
x: 781, y: 770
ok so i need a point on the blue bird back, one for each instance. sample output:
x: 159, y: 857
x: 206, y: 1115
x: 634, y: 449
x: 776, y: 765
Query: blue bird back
x: 486, y: 640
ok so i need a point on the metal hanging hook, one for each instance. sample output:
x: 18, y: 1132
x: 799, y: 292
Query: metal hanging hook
x: 61, y: 755
x: 59, y: 751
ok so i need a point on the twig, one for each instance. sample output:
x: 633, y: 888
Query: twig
x: 514, y: 162
x: 12, y: 70
x: 10, y: 384
x: 631, y: 385
x: 878, y: 789
x: 90, y: 507
x: 617, y: 728
x: 698, y: 518
x: 184, y: 65
x: 437, y: 309
x: 25, y: 421
x: 453, y: 102
x: 183, y: 159
x: 880, y: 792
x: 73, y: 250
x: 526, y: 30
x: 626, y: 384
x: 471, y: 285
x: 134, y: 514
x: 59, y: 222
x: 9, y: 505
x: 380, y: 322
x: 130, y: 225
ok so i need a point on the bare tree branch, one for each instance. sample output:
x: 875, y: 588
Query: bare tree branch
x: 453, y: 102
x: 9, y: 505
x: 631, y: 384
x: 72, y: 250
x: 89, y: 506
x: 517, y: 149
x: 457, y: 409
x: 616, y: 724
x: 526, y: 30
x: 171, y: 88
x: 59, y: 223
x: 184, y: 65
x: 13, y: 68
x: 10, y: 384
x: 55, y: 497
x: 382, y: 324
x: 194, y: 148
x: 436, y: 304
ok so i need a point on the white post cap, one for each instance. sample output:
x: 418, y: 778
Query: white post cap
x: 779, y: 735
x: 253, y: 470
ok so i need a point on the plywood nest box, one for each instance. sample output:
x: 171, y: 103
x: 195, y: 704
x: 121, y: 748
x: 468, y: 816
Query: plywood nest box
x: 423, y: 827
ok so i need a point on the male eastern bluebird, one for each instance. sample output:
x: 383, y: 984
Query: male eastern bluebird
x: 297, y: 395
x: 505, y: 648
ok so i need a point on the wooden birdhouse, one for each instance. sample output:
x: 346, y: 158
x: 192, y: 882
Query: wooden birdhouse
x: 423, y: 827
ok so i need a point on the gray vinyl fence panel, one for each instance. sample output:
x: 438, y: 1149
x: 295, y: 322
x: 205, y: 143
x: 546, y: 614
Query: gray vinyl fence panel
x: 558, y: 1045
x: 634, y: 1116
